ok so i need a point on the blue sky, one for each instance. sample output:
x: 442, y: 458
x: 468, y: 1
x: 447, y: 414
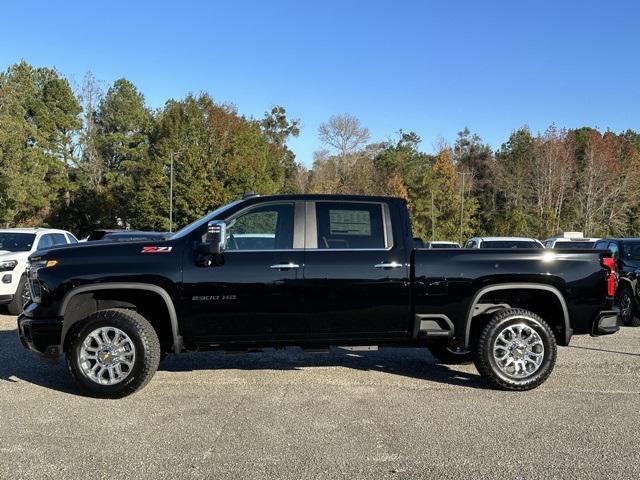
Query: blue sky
x: 430, y: 67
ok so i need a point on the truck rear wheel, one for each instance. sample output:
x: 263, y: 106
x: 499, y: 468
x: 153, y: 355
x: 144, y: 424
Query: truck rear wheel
x: 113, y: 353
x: 450, y: 355
x: 516, y: 350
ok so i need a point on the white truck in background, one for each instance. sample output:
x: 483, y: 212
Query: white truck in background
x: 16, y: 244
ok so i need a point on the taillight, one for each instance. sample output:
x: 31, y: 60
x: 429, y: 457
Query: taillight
x: 610, y: 264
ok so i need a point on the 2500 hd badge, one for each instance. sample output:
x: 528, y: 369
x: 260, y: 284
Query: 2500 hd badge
x: 213, y: 298
x: 312, y: 270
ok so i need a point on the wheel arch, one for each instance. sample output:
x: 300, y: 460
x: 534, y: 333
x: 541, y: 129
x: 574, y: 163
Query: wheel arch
x: 77, y: 294
x: 522, y: 287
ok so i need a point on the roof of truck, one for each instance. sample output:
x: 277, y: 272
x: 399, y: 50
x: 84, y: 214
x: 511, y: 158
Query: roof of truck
x: 324, y: 196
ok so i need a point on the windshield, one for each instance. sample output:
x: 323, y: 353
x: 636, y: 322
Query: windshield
x: 201, y: 221
x: 509, y: 244
x: 632, y: 250
x: 574, y: 245
x: 16, y: 242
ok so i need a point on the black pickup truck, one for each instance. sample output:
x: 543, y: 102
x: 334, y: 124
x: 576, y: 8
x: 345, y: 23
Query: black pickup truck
x: 312, y: 271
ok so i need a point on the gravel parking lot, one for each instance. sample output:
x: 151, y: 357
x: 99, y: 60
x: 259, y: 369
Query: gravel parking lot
x: 394, y: 413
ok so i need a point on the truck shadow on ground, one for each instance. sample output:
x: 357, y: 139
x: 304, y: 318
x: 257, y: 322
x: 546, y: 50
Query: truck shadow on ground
x: 19, y: 365
x: 408, y: 362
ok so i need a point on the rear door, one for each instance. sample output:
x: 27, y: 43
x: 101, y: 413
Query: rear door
x: 356, y: 275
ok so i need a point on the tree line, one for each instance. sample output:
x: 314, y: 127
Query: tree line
x: 94, y: 156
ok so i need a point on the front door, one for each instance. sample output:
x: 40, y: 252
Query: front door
x: 356, y: 271
x: 256, y: 292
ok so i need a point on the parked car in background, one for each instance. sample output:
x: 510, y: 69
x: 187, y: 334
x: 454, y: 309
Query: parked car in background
x: 442, y: 244
x: 503, y: 242
x: 135, y: 236
x: 16, y: 244
x: 100, y: 233
x: 571, y: 240
x: 626, y: 253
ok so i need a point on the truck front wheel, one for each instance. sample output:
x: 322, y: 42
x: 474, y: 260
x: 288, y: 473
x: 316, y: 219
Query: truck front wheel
x: 516, y: 350
x: 113, y: 353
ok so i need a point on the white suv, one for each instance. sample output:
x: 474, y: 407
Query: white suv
x: 16, y: 244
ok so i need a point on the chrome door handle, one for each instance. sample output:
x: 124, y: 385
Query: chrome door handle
x: 388, y: 265
x: 284, y: 266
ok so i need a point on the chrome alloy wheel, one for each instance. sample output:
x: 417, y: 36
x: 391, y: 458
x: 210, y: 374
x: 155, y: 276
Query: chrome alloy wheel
x: 518, y: 351
x: 625, y: 306
x: 107, y: 356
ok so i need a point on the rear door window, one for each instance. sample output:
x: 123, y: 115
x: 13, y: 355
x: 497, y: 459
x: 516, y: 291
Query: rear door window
x: 350, y: 226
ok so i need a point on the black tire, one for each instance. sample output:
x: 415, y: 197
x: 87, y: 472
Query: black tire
x: 17, y: 304
x: 488, y: 365
x: 628, y: 311
x: 145, y: 362
x: 451, y: 355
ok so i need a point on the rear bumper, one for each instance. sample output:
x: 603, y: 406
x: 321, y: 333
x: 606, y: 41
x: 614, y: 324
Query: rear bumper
x: 4, y: 299
x: 41, y: 335
x: 606, y: 322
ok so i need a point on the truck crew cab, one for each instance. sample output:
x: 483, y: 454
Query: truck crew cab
x: 313, y: 271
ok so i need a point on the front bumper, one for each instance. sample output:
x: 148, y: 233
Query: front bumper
x: 606, y: 322
x: 41, y: 335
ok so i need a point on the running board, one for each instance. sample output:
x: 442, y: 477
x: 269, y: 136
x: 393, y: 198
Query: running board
x: 360, y: 348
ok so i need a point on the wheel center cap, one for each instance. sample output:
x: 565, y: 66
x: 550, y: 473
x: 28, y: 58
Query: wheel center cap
x: 106, y: 356
x: 518, y: 349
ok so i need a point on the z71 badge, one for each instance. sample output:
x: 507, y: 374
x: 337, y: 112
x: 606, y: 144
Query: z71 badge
x: 156, y: 249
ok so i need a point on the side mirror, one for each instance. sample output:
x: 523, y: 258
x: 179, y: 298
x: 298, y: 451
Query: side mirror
x: 216, y: 238
x: 209, y: 251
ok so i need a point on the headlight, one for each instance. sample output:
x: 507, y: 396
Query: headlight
x: 8, y: 265
x: 38, y: 290
x: 38, y: 264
